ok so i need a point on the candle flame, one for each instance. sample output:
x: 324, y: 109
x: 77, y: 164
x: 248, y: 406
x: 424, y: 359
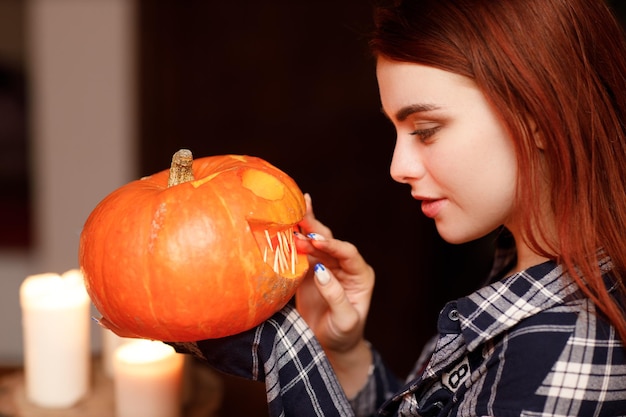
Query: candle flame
x: 144, y: 351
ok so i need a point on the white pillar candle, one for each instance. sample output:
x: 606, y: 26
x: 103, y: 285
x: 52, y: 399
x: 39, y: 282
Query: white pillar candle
x: 147, y: 380
x: 55, y: 321
x: 110, y: 343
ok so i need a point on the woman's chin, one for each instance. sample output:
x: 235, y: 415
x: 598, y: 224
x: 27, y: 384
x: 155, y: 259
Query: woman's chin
x: 458, y: 236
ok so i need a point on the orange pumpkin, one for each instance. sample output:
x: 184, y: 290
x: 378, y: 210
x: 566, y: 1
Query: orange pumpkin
x: 209, y: 256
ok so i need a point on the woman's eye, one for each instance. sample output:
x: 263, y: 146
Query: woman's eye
x: 424, y: 134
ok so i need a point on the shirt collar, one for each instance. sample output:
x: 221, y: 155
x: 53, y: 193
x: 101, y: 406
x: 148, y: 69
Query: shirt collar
x: 497, y: 307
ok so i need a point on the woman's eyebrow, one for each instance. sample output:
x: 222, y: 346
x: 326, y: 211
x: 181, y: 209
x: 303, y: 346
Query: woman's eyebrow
x: 406, y: 111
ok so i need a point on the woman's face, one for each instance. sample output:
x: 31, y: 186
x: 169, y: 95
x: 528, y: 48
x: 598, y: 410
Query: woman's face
x: 451, y: 148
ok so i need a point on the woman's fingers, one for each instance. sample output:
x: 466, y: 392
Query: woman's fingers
x: 344, y: 317
x: 340, y: 253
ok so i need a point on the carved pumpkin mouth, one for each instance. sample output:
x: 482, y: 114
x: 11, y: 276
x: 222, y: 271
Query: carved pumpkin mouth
x: 278, y: 248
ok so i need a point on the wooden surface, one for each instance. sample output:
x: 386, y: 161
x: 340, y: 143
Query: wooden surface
x: 202, y: 395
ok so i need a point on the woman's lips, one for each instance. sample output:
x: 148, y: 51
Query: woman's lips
x: 431, y: 208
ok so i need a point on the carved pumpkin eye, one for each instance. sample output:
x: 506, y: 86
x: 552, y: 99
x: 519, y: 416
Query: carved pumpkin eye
x: 207, y: 254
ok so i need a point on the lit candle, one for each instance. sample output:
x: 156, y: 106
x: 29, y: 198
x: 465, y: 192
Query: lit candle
x: 55, y: 322
x: 147, y: 380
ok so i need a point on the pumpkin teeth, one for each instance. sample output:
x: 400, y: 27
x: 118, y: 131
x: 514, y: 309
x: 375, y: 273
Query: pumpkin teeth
x: 281, y: 254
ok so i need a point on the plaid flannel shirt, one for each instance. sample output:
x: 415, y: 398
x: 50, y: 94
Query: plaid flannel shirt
x: 526, y: 345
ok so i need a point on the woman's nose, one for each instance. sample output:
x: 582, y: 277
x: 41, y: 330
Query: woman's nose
x: 406, y: 164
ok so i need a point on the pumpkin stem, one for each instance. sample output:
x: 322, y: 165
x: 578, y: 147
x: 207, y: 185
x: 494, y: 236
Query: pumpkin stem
x: 180, y: 170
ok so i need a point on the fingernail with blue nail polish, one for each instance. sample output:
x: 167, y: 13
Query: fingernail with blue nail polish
x: 299, y: 235
x: 321, y: 274
x: 315, y: 236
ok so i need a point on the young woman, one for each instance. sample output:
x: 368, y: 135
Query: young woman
x: 510, y: 115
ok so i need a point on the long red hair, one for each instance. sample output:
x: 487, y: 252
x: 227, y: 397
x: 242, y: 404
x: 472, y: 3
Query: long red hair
x: 562, y: 65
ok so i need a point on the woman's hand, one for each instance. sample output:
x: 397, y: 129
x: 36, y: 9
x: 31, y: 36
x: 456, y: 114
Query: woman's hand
x: 334, y: 300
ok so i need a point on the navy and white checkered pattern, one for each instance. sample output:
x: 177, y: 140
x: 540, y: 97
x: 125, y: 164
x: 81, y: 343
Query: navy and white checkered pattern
x: 535, y: 347
x: 526, y: 345
x: 283, y: 353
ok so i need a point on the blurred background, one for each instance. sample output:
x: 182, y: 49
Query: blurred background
x: 96, y: 93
